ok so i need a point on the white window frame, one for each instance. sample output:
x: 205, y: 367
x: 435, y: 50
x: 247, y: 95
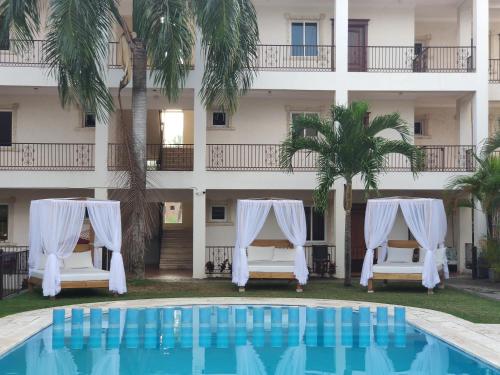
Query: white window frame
x: 425, y: 126
x: 303, y: 21
x: 210, y: 123
x: 325, y: 217
x: 299, y: 112
x: 84, y: 115
x: 219, y: 203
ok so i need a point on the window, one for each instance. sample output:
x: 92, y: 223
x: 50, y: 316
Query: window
x: 419, y: 128
x: 172, y: 213
x: 219, y: 119
x: 419, y: 47
x: 307, y: 132
x: 89, y: 120
x: 304, y: 39
x: 315, y: 223
x: 218, y: 213
x: 4, y: 222
x: 5, y: 41
x: 5, y: 128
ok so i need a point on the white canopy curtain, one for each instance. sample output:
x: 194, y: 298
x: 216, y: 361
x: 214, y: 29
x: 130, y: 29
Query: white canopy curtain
x: 426, y: 219
x: 55, y: 226
x: 251, y: 214
x: 379, y: 220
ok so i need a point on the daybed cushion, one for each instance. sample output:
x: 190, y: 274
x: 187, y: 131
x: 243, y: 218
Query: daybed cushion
x: 260, y: 253
x: 439, y: 256
x: 266, y: 266
x: 283, y: 255
x: 83, y: 274
x: 79, y: 261
x: 395, y: 268
x: 43, y: 260
x: 398, y: 255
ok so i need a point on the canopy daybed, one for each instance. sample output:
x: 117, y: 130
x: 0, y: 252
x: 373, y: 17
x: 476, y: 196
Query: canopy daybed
x: 57, y: 261
x: 426, y: 220
x: 270, y: 259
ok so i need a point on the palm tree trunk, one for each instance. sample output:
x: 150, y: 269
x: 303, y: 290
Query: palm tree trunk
x: 347, y: 243
x: 138, y: 167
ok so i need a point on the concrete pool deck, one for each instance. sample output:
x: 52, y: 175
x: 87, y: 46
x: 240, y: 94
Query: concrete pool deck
x: 479, y: 340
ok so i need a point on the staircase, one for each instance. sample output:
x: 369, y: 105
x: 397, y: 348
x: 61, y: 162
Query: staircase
x: 177, y: 250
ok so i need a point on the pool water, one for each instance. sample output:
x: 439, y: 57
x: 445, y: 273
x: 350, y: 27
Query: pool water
x: 237, y: 340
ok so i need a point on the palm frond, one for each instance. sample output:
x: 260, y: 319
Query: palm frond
x: 22, y: 19
x: 76, y: 50
x: 166, y: 26
x: 491, y: 145
x: 391, y: 121
x: 229, y: 42
x: 414, y: 155
x: 294, y: 144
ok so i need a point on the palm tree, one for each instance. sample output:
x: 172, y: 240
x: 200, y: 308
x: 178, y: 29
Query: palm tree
x: 163, y: 36
x: 345, y: 147
x: 483, y: 185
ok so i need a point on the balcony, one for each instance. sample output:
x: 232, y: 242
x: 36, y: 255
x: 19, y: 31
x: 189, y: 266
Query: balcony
x: 295, y: 57
x: 47, y: 157
x: 265, y: 157
x: 159, y: 157
x: 401, y: 59
x: 494, y: 70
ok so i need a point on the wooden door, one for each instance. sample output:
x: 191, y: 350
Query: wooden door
x: 357, y: 42
x: 358, y: 246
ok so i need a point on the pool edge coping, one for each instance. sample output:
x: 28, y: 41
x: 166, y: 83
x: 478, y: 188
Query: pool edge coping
x: 478, y: 340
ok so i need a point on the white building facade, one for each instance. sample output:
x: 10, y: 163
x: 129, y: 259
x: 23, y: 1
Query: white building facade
x: 436, y: 62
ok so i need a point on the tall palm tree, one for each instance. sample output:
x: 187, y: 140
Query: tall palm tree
x: 163, y: 36
x: 346, y: 147
x: 483, y: 185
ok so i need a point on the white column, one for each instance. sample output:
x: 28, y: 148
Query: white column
x: 101, y: 193
x: 101, y: 158
x: 339, y: 230
x: 200, y: 135
x: 341, y: 21
x: 199, y: 233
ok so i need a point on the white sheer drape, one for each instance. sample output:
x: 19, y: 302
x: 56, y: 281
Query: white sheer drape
x: 379, y: 220
x: 56, y: 228
x: 424, y: 218
x: 105, y: 218
x: 291, y: 219
x: 432, y: 360
x: 250, y: 218
x: 248, y: 361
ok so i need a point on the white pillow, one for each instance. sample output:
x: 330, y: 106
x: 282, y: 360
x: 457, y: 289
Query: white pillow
x: 283, y: 255
x: 43, y: 260
x: 260, y: 253
x: 398, y: 255
x: 440, y: 256
x: 79, y: 260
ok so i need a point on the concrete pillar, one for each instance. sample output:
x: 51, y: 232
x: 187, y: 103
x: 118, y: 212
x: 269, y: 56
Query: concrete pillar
x: 199, y: 233
x: 101, y: 154
x: 341, y: 38
x: 101, y: 193
x: 339, y: 230
x: 200, y: 135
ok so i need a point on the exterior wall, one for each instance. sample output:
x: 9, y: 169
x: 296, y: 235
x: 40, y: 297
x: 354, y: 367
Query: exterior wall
x: 442, y: 126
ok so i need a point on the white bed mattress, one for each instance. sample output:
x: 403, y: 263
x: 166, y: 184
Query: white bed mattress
x: 267, y: 266
x: 78, y: 274
x: 392, y: 267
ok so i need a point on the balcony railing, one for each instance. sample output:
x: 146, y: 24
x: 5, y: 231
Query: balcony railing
x: 47, y: 156
x: 409, y: 59
x: 13, y: 269
x: 494, y: 70
x: 219, y: 260
x: 159, y: 157
x: 295, y: 57
x: 265, y: 157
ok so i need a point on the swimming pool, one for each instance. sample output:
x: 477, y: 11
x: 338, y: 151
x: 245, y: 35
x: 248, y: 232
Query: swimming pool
x: 237, y: 340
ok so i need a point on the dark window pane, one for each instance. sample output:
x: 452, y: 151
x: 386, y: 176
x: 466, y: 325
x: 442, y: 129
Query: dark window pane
x: 4, y: 222
x: 219, y: 119
x: 89, y: 120
x: 5, y: 128
x: 318, y: 226
x: 297, y: 39
x: 308, y: 222
x: 418, y: 128
x: 218, y: 213
x: 418, y: 48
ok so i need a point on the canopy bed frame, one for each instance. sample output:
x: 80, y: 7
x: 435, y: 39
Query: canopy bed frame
x: 251, y: 215
x: 426, y: 220
x: 56, y: 258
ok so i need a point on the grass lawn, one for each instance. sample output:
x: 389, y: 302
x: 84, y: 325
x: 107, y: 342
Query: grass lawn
x: 463, y: 305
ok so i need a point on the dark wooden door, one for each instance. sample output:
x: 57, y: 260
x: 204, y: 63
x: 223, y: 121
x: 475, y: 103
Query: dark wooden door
x: 357, y: 42
x: 358, y: 246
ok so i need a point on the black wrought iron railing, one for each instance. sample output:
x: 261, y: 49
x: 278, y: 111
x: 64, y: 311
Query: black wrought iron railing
x: 172, y: 157
x: 47, y: 156
x: 13, y: 269
x: 266, y: 157
x: 219, y: 260
x: 295, y: 57
x: 411, y: 59
x: 494, y: 70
